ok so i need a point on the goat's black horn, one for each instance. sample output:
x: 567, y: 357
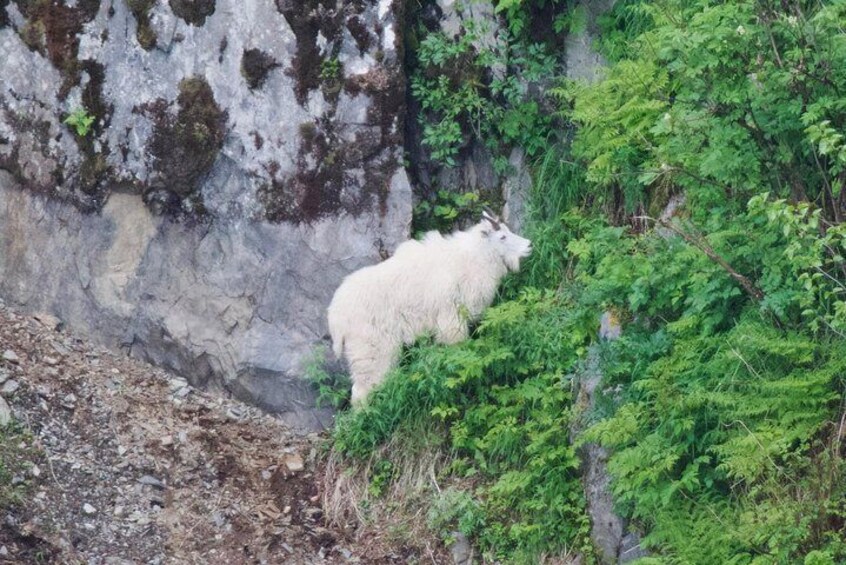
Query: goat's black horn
x: 491, y: 217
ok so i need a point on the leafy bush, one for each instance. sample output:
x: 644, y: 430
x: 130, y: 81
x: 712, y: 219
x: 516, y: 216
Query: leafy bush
x: 722, y: 403
x: 462, y: 99
x: 333, y: 388
x: 503, y: 400
x: 721, y: 100
x: 447, y: 210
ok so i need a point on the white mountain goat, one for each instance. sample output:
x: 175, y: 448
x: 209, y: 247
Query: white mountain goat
x: 436, y: 285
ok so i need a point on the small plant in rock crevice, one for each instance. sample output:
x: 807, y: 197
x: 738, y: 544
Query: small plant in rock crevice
x: 81, y: 121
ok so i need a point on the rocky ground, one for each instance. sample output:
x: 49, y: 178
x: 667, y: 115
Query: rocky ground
x: 111, y: 461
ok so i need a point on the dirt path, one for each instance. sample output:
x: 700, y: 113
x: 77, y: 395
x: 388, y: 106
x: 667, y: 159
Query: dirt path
x: 120, y: 463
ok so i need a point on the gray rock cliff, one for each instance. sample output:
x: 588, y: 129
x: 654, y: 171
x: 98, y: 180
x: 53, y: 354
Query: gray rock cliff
x: 192, y: 180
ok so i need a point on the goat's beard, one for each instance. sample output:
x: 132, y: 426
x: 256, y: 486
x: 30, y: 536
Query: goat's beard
x: 512, y: 263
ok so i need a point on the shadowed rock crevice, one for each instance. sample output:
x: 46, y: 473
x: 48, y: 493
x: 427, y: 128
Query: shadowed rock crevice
x: 4, y: 16
x: 94, y: 171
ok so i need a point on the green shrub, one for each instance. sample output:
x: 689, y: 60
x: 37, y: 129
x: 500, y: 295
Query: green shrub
x: 722, y: 402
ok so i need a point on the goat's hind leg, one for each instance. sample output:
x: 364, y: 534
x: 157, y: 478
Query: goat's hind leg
x: 368, y: 371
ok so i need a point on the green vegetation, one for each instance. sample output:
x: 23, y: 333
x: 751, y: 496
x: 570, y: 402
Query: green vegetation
x: 15, y: 450
x: 461, y: 99
x: 333, y: 389
x: 80, y: 121
x: 446, y: 210
x: 330, y: 69
x: 722, y: 404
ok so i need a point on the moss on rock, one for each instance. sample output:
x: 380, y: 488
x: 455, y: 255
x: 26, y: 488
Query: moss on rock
x: 360, y: 33
x: 144, y: 32
x: 255, y: 66
x: 185, y: 145
x: 307, y: 19
x: 193, y: 12
x: 52, y: 28
x: 94, y: 171
x: 313, y: 192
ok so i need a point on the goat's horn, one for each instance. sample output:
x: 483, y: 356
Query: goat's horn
x: 491, y: 217
x: 490, y: 213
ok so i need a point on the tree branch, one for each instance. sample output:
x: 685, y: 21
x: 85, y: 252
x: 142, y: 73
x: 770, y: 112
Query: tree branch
x: 703, y: 246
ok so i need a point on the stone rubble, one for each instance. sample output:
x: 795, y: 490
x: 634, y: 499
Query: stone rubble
x: 127, y: 475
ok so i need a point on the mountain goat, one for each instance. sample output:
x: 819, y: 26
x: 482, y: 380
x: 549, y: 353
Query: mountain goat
x: 435, y: 285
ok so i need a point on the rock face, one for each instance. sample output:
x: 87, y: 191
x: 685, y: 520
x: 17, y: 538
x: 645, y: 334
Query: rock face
x: 609, y: 532
x: 582, y: 60
x: 192, y: 180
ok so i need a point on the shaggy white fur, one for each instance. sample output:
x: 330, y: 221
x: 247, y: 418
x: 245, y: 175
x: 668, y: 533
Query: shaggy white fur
x: 435, y: 285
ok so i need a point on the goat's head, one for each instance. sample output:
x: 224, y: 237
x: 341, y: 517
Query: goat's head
x: 510, y: 246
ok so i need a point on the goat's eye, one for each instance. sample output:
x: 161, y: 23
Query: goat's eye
x: 502, y: 237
